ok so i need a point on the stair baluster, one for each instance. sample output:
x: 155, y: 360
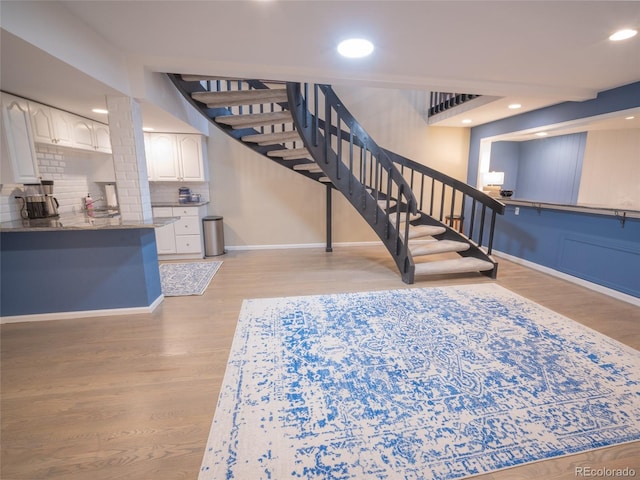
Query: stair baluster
x: 380, y: 184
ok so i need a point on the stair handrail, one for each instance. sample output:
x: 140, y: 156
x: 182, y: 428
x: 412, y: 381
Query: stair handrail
x: 365, y: 181
x: 479, y: 200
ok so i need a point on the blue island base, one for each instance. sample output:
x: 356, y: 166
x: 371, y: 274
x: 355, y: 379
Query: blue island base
x: 50, y: 274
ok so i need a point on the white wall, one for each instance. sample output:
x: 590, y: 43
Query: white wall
x: 265, y: 204
x: 59, y: 33
x: 611, y: 169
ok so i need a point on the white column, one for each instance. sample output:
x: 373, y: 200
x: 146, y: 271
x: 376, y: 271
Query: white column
x: 130, y: 164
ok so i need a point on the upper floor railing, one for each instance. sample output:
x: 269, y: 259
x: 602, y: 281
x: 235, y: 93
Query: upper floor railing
x: 442, y: 101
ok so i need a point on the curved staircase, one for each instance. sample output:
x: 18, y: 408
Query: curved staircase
x: 413, y: 209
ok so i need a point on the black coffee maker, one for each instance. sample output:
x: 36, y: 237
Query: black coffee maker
x: 38, y: 201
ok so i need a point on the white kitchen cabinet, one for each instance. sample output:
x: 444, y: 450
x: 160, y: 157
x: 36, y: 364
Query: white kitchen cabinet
x: 50, y: 125
x: 90, y: 135
x: 102, y: 137
x: 165, y: 235
x: 19, y: 161
x: 182, y: 239
x: 188, y: 230
x: 83, y: 133
x: 163, y: 155
x: 190, y: 157
x: 175, y: 157
x: 63, y: 129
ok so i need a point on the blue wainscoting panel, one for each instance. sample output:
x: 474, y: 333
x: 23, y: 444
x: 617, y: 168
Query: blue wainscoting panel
x: 595, y: 248
x: 69, y: 271
x: 602, y: 261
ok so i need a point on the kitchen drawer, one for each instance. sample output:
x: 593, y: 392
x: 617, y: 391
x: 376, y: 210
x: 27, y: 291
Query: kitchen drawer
x: 163, y: 212
x: 188, y: 243
x: 185, y: 211
x: 187, y: 226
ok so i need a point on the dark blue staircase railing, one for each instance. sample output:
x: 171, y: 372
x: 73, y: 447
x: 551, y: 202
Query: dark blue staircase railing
x: 382, y: 185
x: 356, y: 166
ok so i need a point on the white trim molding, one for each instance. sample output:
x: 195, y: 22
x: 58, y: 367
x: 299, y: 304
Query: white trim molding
x: 570, y: 278
x: 41, y: 317
x: 300, y: 245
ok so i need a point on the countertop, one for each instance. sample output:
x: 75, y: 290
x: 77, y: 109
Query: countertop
x: 582, y: 208
x: 81, y: 221
x: 178, y: 204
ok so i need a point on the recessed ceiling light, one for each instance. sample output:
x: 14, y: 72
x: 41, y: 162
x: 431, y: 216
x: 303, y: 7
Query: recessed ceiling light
x: 148, y: 129
x: 623, y: 34
x: 99, y: 110
x: 515, y: 106
x: 467, y: 120
x: 355, y: 48
x: 629, y: 118
x: 542, y: 134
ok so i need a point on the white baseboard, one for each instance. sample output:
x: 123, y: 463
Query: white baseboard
x: 570, y: 278
x: 285, y: 246
x: 40, y: 317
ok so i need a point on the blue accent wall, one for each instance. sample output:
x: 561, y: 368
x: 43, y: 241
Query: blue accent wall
x: 545, y: 169
x: 592, y: 247
x: 68, y: 271
x: 505, y: 157
x: 595, y: 248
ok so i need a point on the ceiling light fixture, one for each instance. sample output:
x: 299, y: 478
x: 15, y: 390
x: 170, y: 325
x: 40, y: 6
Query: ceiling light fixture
x: 623, y: 34
x: 467, y: 120
x: 99, y: 110
x: 515, y: 106
x: 629, y: 118
x: 355, y: 48
x: 542, y: 134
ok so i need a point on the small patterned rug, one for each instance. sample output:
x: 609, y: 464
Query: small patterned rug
x: 193, y: 278
x: 433, y: 383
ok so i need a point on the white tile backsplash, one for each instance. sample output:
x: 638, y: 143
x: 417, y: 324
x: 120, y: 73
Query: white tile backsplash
x: 166, y: 192
x: 72, y: 172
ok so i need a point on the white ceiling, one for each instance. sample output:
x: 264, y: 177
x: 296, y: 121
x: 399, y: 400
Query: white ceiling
x: 531, y: 52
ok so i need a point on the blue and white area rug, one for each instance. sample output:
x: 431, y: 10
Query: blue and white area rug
x: 192, y: 278
x: 435, y: 383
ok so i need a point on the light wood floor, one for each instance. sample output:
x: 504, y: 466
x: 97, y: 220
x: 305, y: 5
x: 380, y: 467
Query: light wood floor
x: 132, y: 397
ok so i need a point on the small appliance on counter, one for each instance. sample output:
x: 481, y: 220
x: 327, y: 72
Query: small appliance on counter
x: 50, y: 200
x: 38, y: 201
x: 110, y: 196
x: 184, y: 195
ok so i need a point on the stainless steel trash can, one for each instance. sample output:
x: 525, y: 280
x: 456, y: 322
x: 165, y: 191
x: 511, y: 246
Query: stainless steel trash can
x: 213, y: 236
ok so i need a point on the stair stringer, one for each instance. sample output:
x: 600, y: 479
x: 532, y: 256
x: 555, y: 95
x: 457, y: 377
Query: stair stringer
x: 357, y: 193
x: 474, y: 250
x: 362, y: 197
x: 190, y: 86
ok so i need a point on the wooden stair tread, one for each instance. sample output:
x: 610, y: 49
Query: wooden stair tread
x: 438, y: 246
x: 417, y: 231
x: 403, y: 217
x: 201, y: 78
x: 214, y: 78
x: 308, y: 167
x: 383, y: 204
x: 276, y: 138
x: 457, y: 265
x: 240, y: 97
x: 289, y: 153
x: 255, y: 119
